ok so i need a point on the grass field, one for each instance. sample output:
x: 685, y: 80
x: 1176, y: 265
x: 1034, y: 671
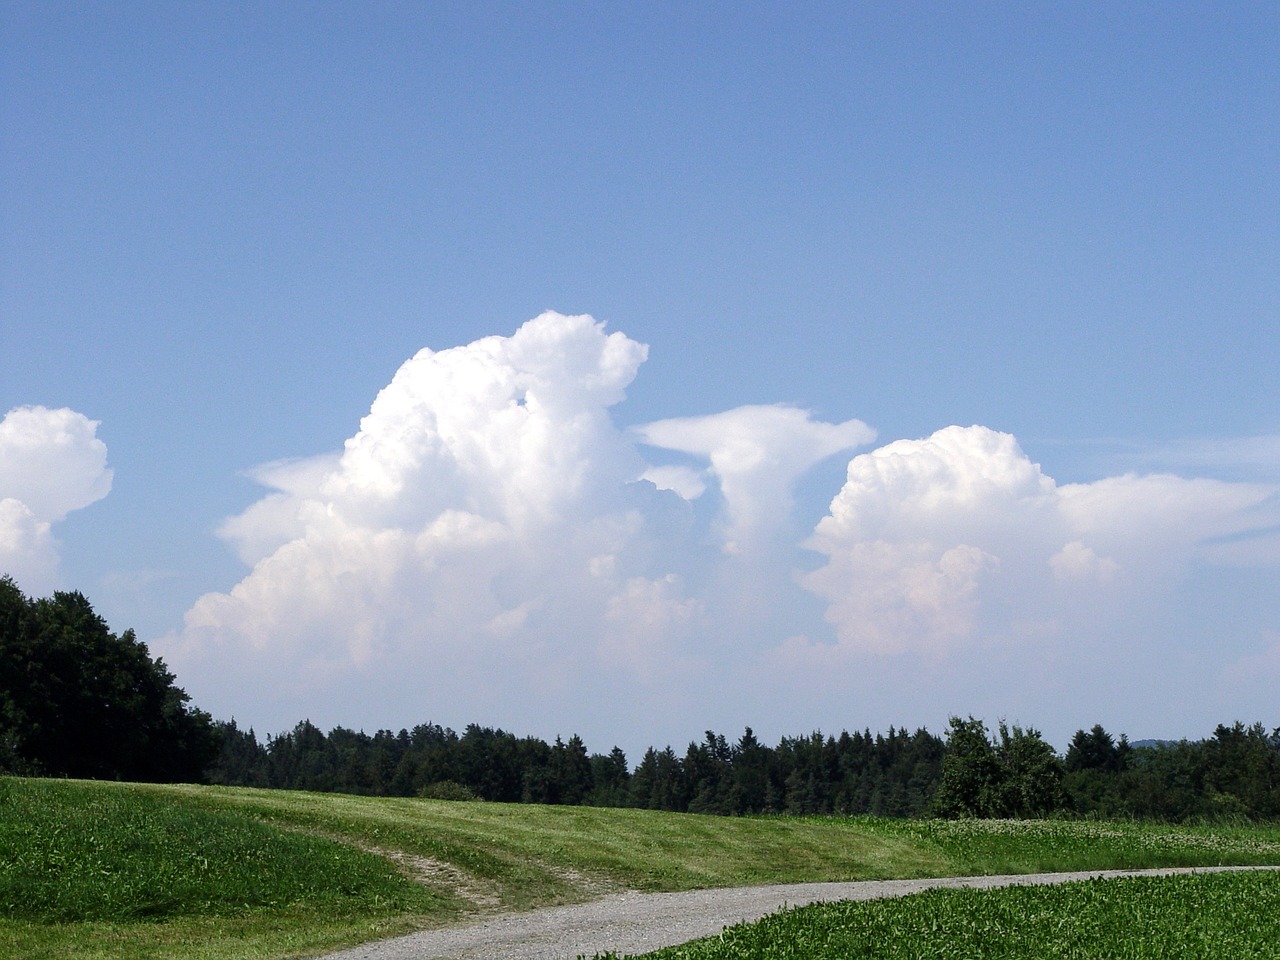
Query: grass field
x: 119, y: 870
x: 1134, y: 918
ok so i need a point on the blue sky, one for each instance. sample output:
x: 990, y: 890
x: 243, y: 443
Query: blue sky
x: 225, y: 228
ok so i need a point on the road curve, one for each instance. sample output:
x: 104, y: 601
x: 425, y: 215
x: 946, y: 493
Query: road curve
x: 638, y: 922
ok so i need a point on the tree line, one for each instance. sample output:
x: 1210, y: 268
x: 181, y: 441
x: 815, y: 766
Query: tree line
x: 971, y: 772
x: 77, y: 700
x: 889, y: 775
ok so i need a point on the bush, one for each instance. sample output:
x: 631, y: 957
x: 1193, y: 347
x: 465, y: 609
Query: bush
x: 446, y: 790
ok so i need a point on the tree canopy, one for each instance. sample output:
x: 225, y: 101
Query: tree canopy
x: 77, y: 700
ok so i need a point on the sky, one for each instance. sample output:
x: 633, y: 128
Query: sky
x: 634, y: 370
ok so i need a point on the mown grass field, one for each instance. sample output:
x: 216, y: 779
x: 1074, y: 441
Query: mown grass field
x: 108, y: 870
x: 1135, y: 918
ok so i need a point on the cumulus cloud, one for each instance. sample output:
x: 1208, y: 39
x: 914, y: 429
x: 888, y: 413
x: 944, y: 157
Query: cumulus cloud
x: 488, y: 516
x: 489, y: 545
x: 958, y: 537
x: 28, y: 552
x: 51, y: 463
x: 1075, y: 561
x: 690, y: 484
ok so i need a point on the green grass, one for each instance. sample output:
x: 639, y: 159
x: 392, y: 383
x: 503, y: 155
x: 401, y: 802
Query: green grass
x: 525, y: 852
x: 80, y: 852
x: 1035, y: 846
x: 1135, y: 918
x: 118, y: 870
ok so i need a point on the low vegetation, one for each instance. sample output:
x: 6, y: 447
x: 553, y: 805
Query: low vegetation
x: 1233, y: 915
x: 109, y: 870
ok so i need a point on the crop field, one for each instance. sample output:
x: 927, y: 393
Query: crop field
x: 1234, y: 915
x: 108, y: 870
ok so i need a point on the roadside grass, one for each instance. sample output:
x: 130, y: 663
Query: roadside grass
x: 1233, y: 915
x: 126, y: 870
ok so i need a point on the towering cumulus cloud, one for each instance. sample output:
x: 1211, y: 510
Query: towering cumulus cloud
x: 51, y: 462
x: 484, y: 530
x: 490, y: 545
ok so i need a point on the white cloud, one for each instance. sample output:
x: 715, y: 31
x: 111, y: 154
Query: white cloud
x: 485, y: 517
x: 486, y: 547
x: 1075, y: 561
x: 51, y: 463
x: 28, y: 552
x: 756, y: 453
x: 647, y: 623
x: 689, y: 484
x: 889, y: 597
x: 960, y: 538
x: 1166, y: 519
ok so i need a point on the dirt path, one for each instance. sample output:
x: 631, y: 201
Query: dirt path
x: 638, y: 922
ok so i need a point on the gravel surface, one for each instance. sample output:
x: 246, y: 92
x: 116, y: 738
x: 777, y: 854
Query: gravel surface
x: 639, y: 922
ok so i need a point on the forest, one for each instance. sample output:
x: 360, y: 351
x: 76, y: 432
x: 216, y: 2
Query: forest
x: 76, y: 700
x: 970, y: 772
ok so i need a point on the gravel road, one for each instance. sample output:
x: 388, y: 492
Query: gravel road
x: 639, y: 922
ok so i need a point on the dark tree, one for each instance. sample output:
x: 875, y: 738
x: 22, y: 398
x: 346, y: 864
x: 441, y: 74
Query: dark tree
x: 749, y: 789
x: 1096, y: 750
x: 19, y: 671
x: 241, y: 760
x: 1242, y: 771
x: 1018, y: 775
x: 610, y: 779
x: 76, y: 700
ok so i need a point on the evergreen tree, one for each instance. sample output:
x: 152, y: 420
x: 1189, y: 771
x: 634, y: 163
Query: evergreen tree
x: 644, y: 781
x: 1096, y: 750
x: 749, y: 790
x: 610, y: 779
x: 241, y: 760
x: 1242, y: 771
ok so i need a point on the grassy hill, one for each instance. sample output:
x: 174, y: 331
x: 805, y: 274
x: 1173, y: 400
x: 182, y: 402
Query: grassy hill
x: 111, y: 870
